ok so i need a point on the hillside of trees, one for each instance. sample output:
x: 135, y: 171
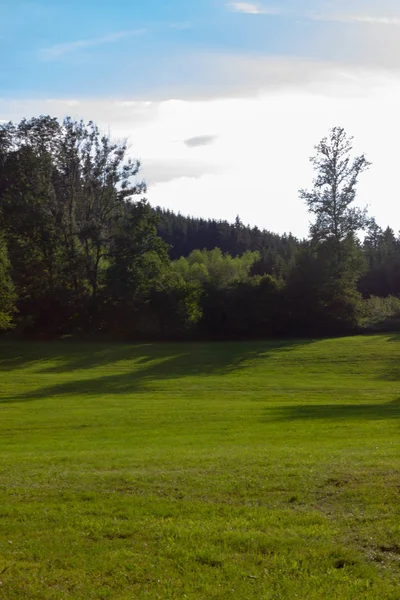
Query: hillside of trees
x: 82, y: 253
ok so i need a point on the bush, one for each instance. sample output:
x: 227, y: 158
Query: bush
x: 380, y: 313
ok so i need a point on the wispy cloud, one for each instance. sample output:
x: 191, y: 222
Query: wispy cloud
x: 60, y: 50
x: 254, y: 9
x: 163, y: 170
x: 249, y: 8
x: 200, y: 140
x: 343, y: 18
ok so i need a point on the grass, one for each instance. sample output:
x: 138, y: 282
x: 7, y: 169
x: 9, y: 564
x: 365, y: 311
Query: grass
x: 200, y: 471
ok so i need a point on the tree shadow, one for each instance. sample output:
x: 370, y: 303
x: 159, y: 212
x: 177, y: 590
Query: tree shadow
x: 67, y: 356
x: 391, y: 371
x: 14, y: 357
x: 146, y: 365
x: 392, y: 368
x: 360, y: 412
x: 394, y: 337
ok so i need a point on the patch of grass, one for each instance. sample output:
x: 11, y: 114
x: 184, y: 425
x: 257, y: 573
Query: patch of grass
x: 201, y: 471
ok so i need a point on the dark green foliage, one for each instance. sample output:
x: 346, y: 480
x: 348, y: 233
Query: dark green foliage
x: 250, y: 308
x: 71, y: 226
x: 382, y: 251
x: 174, y: 308
x: 83, y: 253
x: 323, y: 289
x: 7, y: 291
x: 185, y: 234
x: 137, y: 263
x: 320, y: 298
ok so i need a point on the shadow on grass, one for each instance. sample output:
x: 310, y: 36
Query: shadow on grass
x: 98, y: 368
x: 366, y: 412
x: 395, y: 337
x: 142, y: 364
x: 66, y: 356
x: 392, y: 368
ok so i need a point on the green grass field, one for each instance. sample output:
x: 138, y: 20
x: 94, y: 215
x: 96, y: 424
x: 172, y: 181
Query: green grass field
x: 201, y: 471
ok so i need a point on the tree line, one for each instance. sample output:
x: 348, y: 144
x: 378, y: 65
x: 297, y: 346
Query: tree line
x: 83, y: 253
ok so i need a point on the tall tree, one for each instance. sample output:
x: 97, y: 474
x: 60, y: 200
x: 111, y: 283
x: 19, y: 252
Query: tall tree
x: 138, y: 258
x: 96, y: 180
x: 66, y: 197
x: 336, y: 254
x: 334, y: 189
x: 28, y: 207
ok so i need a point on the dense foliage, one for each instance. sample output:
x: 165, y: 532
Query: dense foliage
x: 81, y: 251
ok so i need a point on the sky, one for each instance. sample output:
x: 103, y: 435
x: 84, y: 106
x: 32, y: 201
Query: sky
x: 223, y: 102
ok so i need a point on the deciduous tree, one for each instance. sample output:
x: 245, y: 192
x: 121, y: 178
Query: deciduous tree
x: 334, y: 189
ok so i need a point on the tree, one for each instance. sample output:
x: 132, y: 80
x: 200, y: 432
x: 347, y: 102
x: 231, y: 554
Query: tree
x: 28, y: 203
x: 65, y: 194
x: 174, y: 305
x: 106, y: 182
x: 137, y: 258
x: 336, y: 258
x: 382, y: 252
x: 334, y: 189
x: 215, y: 268
x: 7, y: 292
x: 319, y: 302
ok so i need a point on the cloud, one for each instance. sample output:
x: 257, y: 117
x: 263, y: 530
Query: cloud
x: 264, y: 141
x: 254, y: 9
x: 162, y: 170
x: 359, y: 56
x: 120, y: 113
x: 361, y: 19
x: 243, y: 76
x: 200, y: 140
x: 212, y: 75
x: 59, y: 50
x: 263, y: 160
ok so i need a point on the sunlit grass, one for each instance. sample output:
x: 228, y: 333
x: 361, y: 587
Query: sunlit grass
x: 241, y: 470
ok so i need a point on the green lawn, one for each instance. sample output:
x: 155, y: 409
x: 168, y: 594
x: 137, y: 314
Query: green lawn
x: 200, y: 471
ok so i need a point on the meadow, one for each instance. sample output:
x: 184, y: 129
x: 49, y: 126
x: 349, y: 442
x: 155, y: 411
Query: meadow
x: 246, y: 470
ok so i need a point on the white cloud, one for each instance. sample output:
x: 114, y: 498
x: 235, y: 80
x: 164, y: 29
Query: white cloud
x: 253, y: 9
x: 59, y: 50
x: 351, y: 18
x: 263, y: 150
x: 163, y: 169
x: 257, y: 9
x: 259, y: 157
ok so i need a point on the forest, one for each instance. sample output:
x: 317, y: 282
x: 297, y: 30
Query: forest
x: 82, y: 253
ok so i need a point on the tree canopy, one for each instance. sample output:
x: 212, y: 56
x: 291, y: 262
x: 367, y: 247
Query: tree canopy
x: 83, y: 253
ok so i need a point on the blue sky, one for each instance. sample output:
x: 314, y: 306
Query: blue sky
x: 254, y: 84
x: 126, y: 47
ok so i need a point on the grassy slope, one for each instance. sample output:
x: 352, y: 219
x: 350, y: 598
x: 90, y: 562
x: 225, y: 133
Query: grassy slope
x: 245, y: 470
